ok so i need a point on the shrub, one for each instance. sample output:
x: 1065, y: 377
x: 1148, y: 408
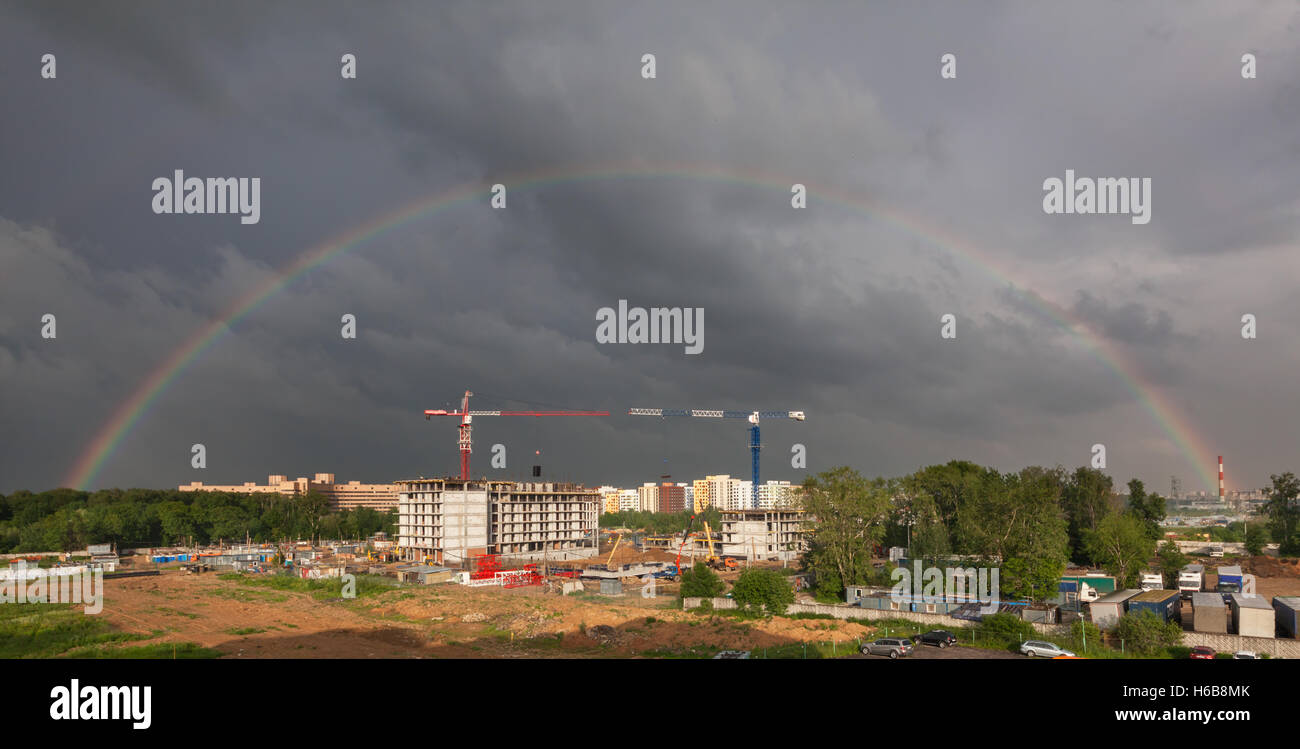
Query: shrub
x: 1008, y: 629
x: 702, y: 582
x: 765, y: 589
x: 1145, y: 633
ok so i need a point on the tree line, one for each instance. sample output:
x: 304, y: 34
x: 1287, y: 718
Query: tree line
x: 1030, y: 524
x: 69, y: 520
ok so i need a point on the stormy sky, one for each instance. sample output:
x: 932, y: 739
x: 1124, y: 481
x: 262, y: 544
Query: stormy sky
x: 925, y: 198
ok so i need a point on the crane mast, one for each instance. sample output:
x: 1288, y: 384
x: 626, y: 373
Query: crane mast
x: 754, y: 417
x: 465, y: 441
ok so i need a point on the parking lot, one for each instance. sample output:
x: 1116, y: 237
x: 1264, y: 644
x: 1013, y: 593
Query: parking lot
x: 952, y: 653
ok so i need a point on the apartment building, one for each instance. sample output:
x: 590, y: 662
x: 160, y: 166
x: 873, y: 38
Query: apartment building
x: 774, y: 495
x: 648, y: 497
x: 349, y: 496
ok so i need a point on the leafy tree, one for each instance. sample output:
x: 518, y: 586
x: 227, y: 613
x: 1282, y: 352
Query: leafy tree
x: 766, y: 589
x: 1149, y: 508
x: 1020, y: 525
x: 1283, y: 512
x: 845, y: 516
x: 1146, y: 633
x: 702, y: 582
x: 1121, y: 546
x: 934, y: 496
x: 1171, y: 561
x: 1256, y: 538
x: 1087, y: 498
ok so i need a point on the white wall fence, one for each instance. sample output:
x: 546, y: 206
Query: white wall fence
x: 1275, y: 647
x: 845, y: 611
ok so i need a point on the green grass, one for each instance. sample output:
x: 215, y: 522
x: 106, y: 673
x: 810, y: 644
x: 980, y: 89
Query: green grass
x: 321, y: 590
x: 245, y: 631
x: 811, y: 651
x: 156, y: 650
x: 41, y: 630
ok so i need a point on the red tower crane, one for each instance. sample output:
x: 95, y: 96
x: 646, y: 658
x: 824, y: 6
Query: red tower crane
x: 466, y: 424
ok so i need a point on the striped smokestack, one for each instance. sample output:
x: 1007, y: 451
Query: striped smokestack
x: 1220, y: 478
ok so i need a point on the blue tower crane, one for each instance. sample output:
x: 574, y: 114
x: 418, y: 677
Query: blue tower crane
x: 755, y: 444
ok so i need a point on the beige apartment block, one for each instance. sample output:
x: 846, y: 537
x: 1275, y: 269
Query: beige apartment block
x: 349, y: 496
x: 449, y: 521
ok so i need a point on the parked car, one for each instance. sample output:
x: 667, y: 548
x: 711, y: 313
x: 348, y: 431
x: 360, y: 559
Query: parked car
x: 1245, y: 655
x: 890, y: 646
x: 1202, y: 653
x: 1034, y: 648
x: 938, y: 637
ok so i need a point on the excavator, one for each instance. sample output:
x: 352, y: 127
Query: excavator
x: 713, y: 560
x: 617, y: 539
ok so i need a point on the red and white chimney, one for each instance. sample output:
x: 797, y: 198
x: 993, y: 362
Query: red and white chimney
x: 1220, y: 478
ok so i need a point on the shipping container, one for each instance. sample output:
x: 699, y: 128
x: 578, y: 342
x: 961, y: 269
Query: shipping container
x: 1209, y: 614
x: 1286, y: 613
x: 1106, y: 611
x: 1251, y: 615
x: 1165, y: 604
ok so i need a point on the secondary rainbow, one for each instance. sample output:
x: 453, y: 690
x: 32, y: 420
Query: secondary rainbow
x: 110, y: 435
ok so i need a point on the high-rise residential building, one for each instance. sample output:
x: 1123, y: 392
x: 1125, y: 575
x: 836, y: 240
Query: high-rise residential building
x: 740, y: 495
x: 672, y: 498
x: 700, y: 498
x: 629, y: 500
x: 648, y: 497
x: 719, y: 489
x: 609, y: 498
x: 349, y: 496
x: 778, y: 494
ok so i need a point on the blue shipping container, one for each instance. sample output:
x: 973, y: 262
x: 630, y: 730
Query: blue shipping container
x: 1287, y: 611
x: 1163, y: 603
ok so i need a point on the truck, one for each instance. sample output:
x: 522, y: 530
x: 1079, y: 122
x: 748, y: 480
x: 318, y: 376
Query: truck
x: 1229, y: 579
x: 1151, y: 581
x: 1191, y: 580
x: 1085, y: 588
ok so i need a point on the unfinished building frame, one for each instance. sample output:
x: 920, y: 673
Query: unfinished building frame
x: 449, y: 521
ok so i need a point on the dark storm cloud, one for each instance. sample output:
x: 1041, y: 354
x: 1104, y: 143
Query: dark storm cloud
x: 831, y: 309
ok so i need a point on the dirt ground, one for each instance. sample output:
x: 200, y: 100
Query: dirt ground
x: 438, y: 621
x: 1273, y: 576
x: 454, y: 621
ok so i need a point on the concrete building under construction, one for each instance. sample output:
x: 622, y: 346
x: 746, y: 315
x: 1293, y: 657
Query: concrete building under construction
x: 776, y: 534
x: 448, y: 521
